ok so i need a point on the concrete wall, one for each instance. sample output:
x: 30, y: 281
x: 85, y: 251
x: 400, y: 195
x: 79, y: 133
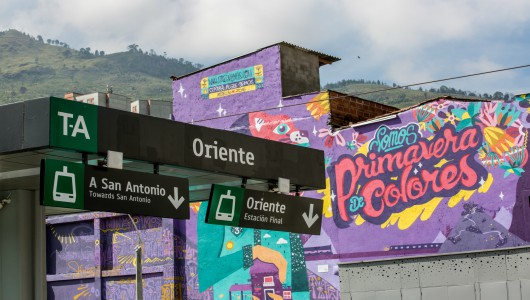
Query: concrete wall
x: 94, y: 98
x: 118, y: 101
x: 160, y: 109
x: 22, y: 244
x: 300, y: 71
x: 495, y: 275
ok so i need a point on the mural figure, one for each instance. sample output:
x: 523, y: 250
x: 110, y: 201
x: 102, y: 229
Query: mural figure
x: 278, y: 128
x: 263, y: 264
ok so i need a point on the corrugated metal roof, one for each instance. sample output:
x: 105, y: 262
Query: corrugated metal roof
x: 324, y: 59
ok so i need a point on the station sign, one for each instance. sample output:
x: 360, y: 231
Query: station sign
x: 238, y: 207
x: 73, y: 125
x: 74, y: 185
x: 95, y: 129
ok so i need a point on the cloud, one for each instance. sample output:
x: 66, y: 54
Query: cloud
x: 398, y: 41
x: 266, y: 236
x: 281, y: 241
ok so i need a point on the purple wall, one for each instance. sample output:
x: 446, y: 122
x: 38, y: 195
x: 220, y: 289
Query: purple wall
x: 445, y: 177
x: 228, y: 87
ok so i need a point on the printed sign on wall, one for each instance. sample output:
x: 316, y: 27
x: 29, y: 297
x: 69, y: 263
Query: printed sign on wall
x: 231, y: 83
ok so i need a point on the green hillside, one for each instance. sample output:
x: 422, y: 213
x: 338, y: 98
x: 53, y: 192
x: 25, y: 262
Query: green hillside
x: 32, y: 67
x: 403, y: 97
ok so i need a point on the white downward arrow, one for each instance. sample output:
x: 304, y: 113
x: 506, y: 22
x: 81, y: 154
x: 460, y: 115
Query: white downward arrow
x: 311, y: 219
x: 176, y: 201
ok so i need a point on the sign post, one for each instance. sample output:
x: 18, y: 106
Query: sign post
x: 73, y: 185
x: 234, y: 206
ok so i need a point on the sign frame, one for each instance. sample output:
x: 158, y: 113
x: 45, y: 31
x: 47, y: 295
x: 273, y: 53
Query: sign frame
x: 264, y: 210
x: 75, y: 185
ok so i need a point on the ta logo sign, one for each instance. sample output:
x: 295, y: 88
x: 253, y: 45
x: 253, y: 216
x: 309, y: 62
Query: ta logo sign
x: 73, y: 125
x: 79, y: 127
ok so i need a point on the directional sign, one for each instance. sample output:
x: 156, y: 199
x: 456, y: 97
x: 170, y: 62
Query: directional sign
x: 234, y: 206
x: 73, y: 185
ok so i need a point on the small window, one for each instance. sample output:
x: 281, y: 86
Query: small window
x: 268, y: 281
x: 287, y: 295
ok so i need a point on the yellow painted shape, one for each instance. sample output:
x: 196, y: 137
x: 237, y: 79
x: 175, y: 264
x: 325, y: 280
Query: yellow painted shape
x: 318, y: 105
x: 462, y: 194
x: 195, y: 206
x: 442, y: 162
x: 115, y: 237
x: 359, y: 220
x: 406, y: 218
x: 326, y: 208
x: 363, y: 149
x: 229, y: 245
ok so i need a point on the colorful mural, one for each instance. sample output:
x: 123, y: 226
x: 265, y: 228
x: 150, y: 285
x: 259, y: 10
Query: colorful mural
x: 446, y: 176
x: 441, y: 177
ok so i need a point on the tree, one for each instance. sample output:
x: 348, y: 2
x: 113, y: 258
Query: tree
x: 132, y: 48
x: 39, y: 38
x: 101, y: 53
x: 498, y: 95
x: 96, y: 53
x: 48, y: 41
x: 67, y: 53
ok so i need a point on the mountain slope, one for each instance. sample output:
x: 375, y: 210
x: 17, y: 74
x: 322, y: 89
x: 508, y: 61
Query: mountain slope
x: 31, y: 68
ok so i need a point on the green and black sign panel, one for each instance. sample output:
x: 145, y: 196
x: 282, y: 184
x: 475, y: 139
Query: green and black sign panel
x: 234, y: 206
x: 74, y: 185
x: 73, y: 125
x: 95, y: 129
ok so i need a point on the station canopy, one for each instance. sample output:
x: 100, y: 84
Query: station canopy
x: 54, y: 128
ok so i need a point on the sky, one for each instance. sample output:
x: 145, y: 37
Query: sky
x: 395, y: 41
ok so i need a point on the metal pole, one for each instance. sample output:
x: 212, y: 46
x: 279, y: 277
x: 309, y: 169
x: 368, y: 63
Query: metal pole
x: 139, y: 289
x: 138, y: 250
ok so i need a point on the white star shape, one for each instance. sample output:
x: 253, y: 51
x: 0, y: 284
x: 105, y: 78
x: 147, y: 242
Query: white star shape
x: 420, y: 165
x: 280, y: 105
x: 415, y: 171
x: 315, y: 130
x: 501, y: 195
x: 181, y: 90
x: 220, y: 110
x: 332, y: 196
x: 482, y: 181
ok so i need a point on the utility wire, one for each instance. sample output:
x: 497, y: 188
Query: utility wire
x: 372, y: 92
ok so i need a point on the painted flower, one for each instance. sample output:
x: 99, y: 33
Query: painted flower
x: 423, y: 115
x: 488, y: 157
x: 357, y: 140
x: 506, y: 115
x: 515, y: 159
x: 331, y: 137
x: 467, y: 115
x: 439, y: 105
x: 450, y: 118
x: 435, y: 125
x: 487, y: 114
